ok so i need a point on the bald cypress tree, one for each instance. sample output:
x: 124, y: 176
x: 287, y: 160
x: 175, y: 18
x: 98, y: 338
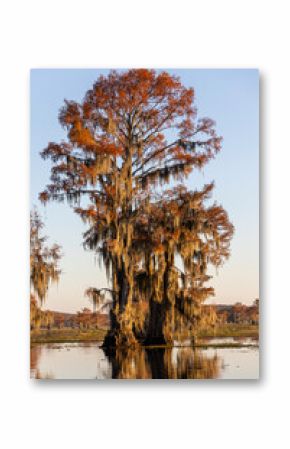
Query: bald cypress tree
x: 176, y: 238
x: 133, y: 131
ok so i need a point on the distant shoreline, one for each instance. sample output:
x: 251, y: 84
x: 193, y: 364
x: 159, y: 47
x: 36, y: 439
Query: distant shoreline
x: 71, y: 335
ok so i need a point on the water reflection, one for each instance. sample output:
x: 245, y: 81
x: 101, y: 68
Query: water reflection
x: 89, y: 361
x: 163, y: 363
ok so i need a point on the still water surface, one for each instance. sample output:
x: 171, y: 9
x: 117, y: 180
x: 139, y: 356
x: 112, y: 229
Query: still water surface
x: 89, y: 361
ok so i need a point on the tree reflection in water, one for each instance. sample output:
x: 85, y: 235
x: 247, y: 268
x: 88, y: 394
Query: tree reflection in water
x: 88, y: 361
x: 34, y: 361
x: 163, y: 363
x: 35, y: 372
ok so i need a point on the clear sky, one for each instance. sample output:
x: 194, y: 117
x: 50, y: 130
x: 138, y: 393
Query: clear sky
x: 231, y: 98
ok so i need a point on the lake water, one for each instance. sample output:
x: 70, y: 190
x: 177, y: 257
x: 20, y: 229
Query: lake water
x: 89, y: 361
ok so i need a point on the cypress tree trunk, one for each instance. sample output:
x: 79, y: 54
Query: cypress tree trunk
x: 157, y: 313
x: 120, y: 334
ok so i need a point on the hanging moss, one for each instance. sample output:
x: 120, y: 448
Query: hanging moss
x: 115, y: 155
x: 44, y: 260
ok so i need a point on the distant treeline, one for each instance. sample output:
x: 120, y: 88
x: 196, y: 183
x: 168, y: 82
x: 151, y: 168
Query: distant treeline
x: 238, y: 313
x: 86, y: 319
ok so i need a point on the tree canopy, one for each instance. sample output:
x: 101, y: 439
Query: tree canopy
x: 132, y: 139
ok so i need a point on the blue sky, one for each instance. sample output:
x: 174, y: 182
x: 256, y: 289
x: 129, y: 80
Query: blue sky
x: 231, y: 98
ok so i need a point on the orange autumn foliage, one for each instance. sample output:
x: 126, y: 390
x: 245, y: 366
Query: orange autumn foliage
x: 136, y: 130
